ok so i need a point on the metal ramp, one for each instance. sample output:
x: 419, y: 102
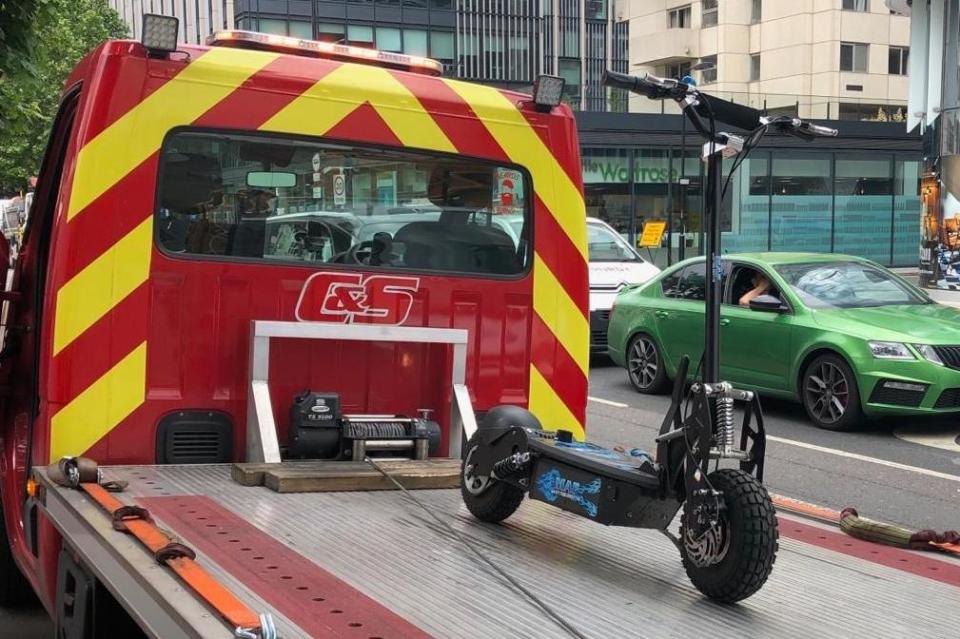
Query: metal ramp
x: 371, y: 565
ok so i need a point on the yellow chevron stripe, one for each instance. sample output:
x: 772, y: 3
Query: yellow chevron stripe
x: 561, y: 314
x: 514, y: 134
x: 351, y: 85
x: 135, y: 136
x: 100, y: 407
x: 549, y: 408
x: 102, y: 284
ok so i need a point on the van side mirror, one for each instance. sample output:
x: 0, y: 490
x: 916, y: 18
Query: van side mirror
x: 767, y: 304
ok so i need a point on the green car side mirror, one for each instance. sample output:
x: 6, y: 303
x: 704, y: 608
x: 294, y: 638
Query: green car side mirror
x: 767, y: 304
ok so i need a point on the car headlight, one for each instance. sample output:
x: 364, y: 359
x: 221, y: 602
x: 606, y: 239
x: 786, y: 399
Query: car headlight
x: 929, y: 353
x: 890, y: 350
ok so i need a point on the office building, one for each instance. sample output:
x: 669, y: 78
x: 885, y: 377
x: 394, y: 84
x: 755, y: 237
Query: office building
x: 831, y: 59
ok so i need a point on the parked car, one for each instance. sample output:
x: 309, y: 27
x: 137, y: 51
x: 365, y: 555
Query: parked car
x: 842, y: 335
x: 614, y: 264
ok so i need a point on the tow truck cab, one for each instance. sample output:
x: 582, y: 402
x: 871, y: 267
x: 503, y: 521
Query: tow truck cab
x: 185, y: 194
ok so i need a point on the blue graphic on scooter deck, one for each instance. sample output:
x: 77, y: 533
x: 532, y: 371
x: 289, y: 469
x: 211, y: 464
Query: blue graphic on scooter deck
x: 554, y: 486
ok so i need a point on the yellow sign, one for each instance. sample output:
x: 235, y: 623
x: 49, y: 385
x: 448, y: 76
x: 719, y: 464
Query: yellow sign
x: 652, y: 234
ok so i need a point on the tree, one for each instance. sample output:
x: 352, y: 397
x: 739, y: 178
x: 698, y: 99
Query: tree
x: 64, y: 31
x: 17, y: 36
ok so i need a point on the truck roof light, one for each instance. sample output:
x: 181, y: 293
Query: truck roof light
x: 316, y: 48
x: 159, y: 34
x: 547, y: 91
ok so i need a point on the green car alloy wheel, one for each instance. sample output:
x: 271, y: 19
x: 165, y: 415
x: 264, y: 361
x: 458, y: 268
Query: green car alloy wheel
x: 842, y: 335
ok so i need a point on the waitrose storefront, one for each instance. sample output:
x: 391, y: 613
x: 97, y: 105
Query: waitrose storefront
x: 856, y: 194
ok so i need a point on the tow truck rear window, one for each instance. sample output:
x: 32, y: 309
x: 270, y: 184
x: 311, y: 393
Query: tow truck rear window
x: 277, y: 199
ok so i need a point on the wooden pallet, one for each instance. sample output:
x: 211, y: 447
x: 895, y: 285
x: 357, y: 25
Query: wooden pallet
x: 329, y: 476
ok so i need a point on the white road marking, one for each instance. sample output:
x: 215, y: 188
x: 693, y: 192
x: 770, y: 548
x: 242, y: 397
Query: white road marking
x: 945, y: 439
x: 864, y: 458
x: 834, y: 451
x: 608, y: 402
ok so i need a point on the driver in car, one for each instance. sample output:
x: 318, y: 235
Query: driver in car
x: 761, y: 286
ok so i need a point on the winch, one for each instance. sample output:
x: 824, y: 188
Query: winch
x: 319, y: 430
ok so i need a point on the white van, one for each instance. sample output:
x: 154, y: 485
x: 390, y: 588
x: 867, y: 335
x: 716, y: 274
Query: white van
x: 613, y: 265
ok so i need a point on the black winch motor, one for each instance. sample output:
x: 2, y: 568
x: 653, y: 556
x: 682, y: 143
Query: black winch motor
x: 318, y: 430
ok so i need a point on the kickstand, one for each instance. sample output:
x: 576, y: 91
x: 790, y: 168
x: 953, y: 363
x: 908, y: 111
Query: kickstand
x: 676, y: 540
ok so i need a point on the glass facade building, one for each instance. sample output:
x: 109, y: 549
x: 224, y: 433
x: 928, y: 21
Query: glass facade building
x: 506, y: 43
x: 858, y: 194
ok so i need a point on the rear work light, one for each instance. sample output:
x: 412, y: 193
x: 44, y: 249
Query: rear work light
x: 317, y: 49
x: 159, y: 33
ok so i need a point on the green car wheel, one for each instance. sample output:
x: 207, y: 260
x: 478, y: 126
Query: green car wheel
x: 645, y: 366
x: 830, y: 393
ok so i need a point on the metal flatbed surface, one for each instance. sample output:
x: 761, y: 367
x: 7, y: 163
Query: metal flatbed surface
x: 607, y: 582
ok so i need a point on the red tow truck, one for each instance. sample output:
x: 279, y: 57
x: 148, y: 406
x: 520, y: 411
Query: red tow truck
x: 217, y: 228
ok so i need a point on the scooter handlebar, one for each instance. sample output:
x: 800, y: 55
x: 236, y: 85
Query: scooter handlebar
x: 649, y: 85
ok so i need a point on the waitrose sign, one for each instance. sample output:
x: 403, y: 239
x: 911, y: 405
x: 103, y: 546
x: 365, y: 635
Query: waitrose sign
x: 616, y: 170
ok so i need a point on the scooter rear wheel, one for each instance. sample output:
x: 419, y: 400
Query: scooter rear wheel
x: 733, y: 560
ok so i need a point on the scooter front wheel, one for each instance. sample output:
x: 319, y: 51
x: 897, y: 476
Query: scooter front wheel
x: 486, y: 498
x: 732, y: 560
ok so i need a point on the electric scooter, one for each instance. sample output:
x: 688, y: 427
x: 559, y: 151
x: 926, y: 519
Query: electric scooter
x: 728, y: 529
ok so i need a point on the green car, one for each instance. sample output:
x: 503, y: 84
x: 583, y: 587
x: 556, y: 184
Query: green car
x: 844, y: 336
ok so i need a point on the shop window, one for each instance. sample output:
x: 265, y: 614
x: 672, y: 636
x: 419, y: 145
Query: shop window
x: 745, y: 216
x: 606, y: 185
x: 415, y: 42
x: 863, y: 185
x: 710, y: 13
x: 801, y: 202
x: 907, y: 208
x: 679, y: 18
x: 898, y: 58
x: 854, y: 56
x: 441, y: 4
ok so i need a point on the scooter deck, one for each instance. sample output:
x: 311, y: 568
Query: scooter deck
x: 637, y: 469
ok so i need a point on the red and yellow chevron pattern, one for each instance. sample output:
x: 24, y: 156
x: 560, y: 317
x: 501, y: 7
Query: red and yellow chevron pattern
x: 104, y: 290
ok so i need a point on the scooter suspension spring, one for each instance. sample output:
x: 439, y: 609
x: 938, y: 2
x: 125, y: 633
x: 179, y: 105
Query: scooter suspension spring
x: 511, y: 465
x: 724, y: 422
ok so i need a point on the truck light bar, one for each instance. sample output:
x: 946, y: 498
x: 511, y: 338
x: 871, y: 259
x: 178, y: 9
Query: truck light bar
x: 315, y: 48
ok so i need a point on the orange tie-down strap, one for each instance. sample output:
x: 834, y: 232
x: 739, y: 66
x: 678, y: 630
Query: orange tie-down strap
x: 180, y: 559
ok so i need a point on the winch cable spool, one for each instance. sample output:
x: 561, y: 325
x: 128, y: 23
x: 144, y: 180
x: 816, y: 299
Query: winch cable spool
x: 378, y: 429
x: 481, y: 558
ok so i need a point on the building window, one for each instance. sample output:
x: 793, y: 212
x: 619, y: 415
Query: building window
x: 678, y: 71
x: 754, y: 67
x: 278, y: 27
x: 569, y: 70
x: 853, y: 56
x: 415, y: 42
x: 388, y: 39
x: 330, y: 32
x: 756, y: 11
x: 710, y: 72
x: 856, y: 5
x: 441, y: 45
x: 679, y: 18
x: 300, y: 30
x: 709, y: 16
x: 358, y: 34
x: 596, y: 9
x: 898, y: 60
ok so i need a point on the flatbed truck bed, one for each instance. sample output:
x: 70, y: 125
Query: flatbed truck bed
x: 374, y: 564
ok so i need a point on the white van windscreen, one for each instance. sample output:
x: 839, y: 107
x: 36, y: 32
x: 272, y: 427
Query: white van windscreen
x: 266, y: 198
